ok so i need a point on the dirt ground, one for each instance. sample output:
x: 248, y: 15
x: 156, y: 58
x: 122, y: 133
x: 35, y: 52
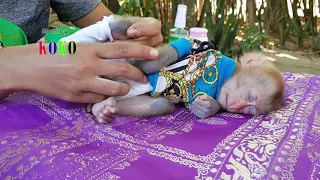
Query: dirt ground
x: 298, y: 62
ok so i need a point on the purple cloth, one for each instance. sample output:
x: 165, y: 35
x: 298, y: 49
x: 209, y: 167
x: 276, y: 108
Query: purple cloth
x: 44, y: 138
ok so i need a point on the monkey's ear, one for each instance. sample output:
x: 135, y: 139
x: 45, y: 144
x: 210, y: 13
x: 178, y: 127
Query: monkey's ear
x: 253, y: 59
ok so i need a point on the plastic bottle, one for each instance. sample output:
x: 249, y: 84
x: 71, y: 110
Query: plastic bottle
x: 180, y: 24
x: 200, y: 34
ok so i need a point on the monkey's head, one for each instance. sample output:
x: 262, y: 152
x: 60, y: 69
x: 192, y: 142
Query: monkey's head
x: 256, y: 87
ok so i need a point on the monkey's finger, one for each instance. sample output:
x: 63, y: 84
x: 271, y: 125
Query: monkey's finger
x: 106, y: 114
x: 202, y: 109
x: 109, y: 111
x: 103, y: 120
x: 119, y: 50
x: 205, y: 98
x: 107, y: 87
x: 149, y: 27
x: 205, y: 104
x: 198, y: 113
x: 196, y: 107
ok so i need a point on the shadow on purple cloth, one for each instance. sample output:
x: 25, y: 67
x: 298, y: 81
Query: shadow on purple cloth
x: 44, y: 138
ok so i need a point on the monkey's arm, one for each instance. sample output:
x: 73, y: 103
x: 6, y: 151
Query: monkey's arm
x: 168, y: 54
x: 205, y: 106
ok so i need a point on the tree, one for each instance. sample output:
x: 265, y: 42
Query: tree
x: 252, y: 9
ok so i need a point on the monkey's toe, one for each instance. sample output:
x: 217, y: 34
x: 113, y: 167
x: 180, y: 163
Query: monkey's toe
x: 106, y: 114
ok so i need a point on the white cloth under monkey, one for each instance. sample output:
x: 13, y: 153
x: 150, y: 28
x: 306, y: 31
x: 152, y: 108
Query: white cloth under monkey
x: 101, y: 33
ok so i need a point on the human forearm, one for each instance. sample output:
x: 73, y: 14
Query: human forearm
x: 13, y: 69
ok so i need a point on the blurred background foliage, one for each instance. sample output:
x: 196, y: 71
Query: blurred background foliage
x: 237, y: 26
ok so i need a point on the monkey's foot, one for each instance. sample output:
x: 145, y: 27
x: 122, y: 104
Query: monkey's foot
x: 104, y: 111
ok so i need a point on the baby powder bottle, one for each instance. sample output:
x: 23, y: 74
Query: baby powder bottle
x: 200, y: 34
x: 179, y: 30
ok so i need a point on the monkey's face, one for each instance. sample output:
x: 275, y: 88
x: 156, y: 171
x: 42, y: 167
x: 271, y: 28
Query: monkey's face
x: 252, y: 90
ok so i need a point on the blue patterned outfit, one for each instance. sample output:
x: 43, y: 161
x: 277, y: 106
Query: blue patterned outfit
x: 193, y: 74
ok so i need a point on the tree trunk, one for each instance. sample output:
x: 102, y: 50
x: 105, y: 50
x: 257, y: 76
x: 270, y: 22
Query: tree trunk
x: 284, y: 15
x: 191, y: 14
x: 297, y: 21
x: 252, y: 9
x: 201, y: 12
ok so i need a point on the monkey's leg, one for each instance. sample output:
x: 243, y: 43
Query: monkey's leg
x: 167, y: 55
x: 138, y: 106
x: 144, y: 106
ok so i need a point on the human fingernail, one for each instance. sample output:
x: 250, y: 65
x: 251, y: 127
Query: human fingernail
x: 154, y: 53
x: 145, y: 79
x: 132, y: 31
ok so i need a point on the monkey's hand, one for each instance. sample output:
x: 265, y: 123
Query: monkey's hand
x: 205, y: 106
x: 104, y: 111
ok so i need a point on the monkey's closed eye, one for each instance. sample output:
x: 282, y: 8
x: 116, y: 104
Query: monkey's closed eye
x: 248, y: 62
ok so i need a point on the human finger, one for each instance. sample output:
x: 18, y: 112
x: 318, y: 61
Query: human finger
x: 155, y: 41
x: 125, y: 50
x: 148, y: 27
x: 108, y: 87
x: 116, y: 68
x: 85, y: 97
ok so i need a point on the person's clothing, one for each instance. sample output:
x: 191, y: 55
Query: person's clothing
x: 201, y: 73
x: 11, y: 34
x: 32, y: 16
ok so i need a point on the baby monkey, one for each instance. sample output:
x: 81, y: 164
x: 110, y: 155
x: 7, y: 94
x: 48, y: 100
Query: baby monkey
x: 203, y: 79
x: 254, y: 86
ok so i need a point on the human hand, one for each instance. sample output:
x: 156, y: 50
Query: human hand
x: 204, y: 106
x: 73, y: 78
x: 139, y: 30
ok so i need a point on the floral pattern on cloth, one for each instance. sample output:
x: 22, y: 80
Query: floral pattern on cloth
x: 44, y: 138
